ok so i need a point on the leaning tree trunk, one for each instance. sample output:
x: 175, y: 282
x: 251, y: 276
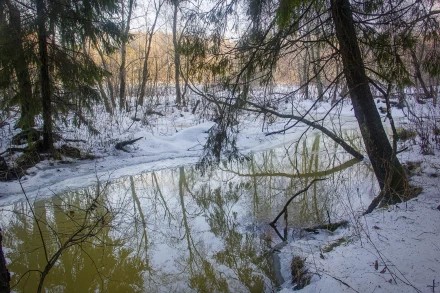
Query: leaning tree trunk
x: 4, y: 273
x: 418, y: 74
x: 109, y: 83
x: 387, y: 168
x: 44, y: 77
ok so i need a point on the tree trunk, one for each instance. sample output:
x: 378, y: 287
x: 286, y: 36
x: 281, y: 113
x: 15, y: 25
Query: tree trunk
x: 176, y: 55
x: 418, y: 73
x: 105, y: 98
x: 109, y: 83
x: 144, y: 72
x: 21, y: 69
x: 4, y: 273
x: 122, y: 69
x: 148, y: 41
x: 304, y: 73
x: 122, y: 75
x: 44, y: 77
x: 387, y: 168
x: 316, y: 56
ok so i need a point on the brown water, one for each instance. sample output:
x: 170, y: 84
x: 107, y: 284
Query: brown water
x: 175, y: 230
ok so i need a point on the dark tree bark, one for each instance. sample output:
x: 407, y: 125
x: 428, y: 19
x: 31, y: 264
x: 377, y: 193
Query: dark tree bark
x: 46, y: 95
x: 387, y: 168
x: 21, y: 69
x: 4, y: 273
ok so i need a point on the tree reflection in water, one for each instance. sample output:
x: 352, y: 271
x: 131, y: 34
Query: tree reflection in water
x: 178, y: 231
x: 92, y: 261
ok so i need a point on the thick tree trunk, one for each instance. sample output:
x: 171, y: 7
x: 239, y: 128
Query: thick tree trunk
x: 176, y: 55
x: 387, y: 168
x: 21, y: 70
x: 44, y: 77
x: 4, y: 273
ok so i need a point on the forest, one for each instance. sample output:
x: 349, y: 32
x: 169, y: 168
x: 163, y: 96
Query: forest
x: 248, y: 112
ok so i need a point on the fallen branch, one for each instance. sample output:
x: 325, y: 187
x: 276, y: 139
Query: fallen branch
x: 120, y: 145
x: 299, y: 119
x: 273, y: 223
x: 330, y: 226
x: 14, y: 150
x: 151, y: 112
x: 195, y: 107
x: 74, y: 140
x: 342, y: 282
x: 307, y: 122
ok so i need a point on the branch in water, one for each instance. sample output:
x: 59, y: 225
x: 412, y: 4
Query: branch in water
x: 273, y: 223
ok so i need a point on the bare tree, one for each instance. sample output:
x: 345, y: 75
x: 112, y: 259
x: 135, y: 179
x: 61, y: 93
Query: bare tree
x: 148, y: 42
x: 122, y: 68
x: 176, y: 44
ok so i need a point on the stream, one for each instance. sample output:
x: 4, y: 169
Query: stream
x: 177, y: 230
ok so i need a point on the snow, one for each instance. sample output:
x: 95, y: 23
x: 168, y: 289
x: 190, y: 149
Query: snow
x: 150, y: 153
x: 403, y: 240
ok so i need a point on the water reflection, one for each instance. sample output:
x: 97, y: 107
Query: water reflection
x: 177, y: 231
x: 70, y: 238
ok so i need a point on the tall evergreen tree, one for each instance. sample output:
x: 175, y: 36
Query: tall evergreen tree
x: 14, y: 60
x: 73, y: 73
x: 68, y: 76
x: 45, y: 84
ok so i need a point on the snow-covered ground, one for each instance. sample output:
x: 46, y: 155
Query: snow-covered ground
x: 391, y: 250
x: 394, y: 249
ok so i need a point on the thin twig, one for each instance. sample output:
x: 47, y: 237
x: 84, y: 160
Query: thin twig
x: 273, y: 223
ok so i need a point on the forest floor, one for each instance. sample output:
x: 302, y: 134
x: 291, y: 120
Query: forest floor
x: 393, y: 249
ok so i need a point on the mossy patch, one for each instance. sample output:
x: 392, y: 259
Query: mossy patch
x: 332, y: 245
x: 300, y: 275
x: 405, y: 134
x: 69, y: 151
